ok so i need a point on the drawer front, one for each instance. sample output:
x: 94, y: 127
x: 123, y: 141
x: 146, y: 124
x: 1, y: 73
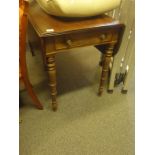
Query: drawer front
x: 80, y: 39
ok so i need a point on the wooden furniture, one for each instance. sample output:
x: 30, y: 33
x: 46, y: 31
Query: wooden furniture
x: 56, y: 34
x: 23, y: 9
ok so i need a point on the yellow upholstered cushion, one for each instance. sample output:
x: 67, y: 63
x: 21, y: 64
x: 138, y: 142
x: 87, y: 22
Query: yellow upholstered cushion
x: 77, y: 8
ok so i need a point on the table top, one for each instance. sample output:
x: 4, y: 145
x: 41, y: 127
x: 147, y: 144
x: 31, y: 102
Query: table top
x: 47, y: 25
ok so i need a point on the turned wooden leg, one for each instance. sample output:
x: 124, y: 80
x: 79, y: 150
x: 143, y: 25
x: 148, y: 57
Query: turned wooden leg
x: 101, y: 59
x: 105, y: 67
x: 51, y: 68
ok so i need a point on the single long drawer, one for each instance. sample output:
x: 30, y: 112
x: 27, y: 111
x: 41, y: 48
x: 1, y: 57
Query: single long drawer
x: 79, y: 39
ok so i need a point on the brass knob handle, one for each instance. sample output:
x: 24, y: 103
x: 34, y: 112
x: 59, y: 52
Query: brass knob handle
x: 103, y: 36
x: 69, y: 42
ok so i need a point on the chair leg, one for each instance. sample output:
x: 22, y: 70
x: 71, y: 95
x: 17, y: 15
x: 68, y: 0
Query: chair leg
x: 22, y: 55
x: 32, y: 93
x: 31, y: 48
x: 25, y: 78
